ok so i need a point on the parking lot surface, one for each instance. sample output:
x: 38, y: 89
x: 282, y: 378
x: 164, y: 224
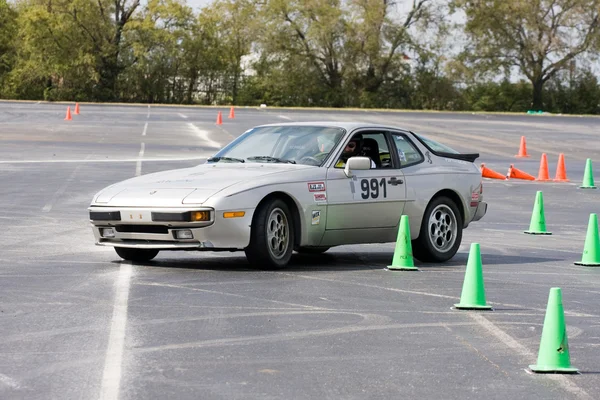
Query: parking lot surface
x: 77, y: 322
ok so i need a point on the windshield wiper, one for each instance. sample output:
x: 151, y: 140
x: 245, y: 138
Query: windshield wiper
x: 269, y: 158
x: 225, y: 159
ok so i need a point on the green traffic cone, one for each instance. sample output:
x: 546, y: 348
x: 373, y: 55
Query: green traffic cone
x: 537, y: 226
x: 591, y: 248
x: 588, y: 176
x: 553, y: 355
x: 473, y: 290
x: 403, y: 256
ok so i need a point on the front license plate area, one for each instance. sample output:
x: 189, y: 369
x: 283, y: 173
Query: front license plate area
x: 137, y: 216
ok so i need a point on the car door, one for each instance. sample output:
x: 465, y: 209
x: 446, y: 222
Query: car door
x: 371, y: 198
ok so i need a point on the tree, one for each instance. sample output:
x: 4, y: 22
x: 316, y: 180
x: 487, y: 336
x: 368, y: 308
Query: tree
x: 538, y: 37
x: 313, y: 30
x: 8, y: 29
x: 78, y: 38
x: 236, y: 25
x: 378, y: 36
x: 153, y: 49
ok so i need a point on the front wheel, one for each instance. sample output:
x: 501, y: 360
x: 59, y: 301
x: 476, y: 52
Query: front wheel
x: 139, y: 255
x: 272, y: 235
x: 441, y: 231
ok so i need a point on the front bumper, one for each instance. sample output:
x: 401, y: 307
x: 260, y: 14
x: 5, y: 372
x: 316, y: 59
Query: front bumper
x: 480, y: 211
x: 143, y: 233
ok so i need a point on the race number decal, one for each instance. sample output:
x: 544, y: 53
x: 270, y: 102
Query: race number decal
x: 373, y: 188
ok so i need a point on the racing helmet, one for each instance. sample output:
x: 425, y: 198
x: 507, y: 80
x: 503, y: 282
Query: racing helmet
x: 355, y: 144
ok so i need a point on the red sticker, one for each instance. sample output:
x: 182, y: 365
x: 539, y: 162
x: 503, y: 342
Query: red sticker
x: 320, y: 197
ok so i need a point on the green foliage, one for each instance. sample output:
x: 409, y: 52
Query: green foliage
x: 539, y: 37
x: 8, y: 29
x: 329, y: 53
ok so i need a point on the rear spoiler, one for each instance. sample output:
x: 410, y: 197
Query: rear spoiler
x: 470, y: 157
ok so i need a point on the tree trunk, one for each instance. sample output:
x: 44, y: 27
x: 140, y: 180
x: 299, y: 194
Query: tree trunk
x: 538, y: 85
x: 234, y: 93
x: 191, y: 87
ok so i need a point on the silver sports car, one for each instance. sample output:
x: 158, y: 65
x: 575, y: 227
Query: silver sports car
x: 302, y: 187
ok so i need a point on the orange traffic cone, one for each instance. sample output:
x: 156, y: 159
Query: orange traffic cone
x: 231, y: 113
x: 543, y: 173
x: 68, y: 117
x: 561, y: 172
x: 518, y: 174
x: 219, y: 119
x: 523, y: 148
x: 76, y: 109
x: 489, y: 173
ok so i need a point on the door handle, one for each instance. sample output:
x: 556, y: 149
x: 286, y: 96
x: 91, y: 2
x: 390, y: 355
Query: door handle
x: 395, y: 181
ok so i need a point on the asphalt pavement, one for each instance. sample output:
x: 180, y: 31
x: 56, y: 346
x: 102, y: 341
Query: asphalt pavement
x: 77, y: 322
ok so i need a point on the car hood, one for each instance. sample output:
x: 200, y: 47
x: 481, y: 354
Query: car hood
x: 185, y: 186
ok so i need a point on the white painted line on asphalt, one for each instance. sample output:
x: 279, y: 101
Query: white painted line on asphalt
x: 138, y: 167
x: 145, y: 129
x: 111, y: 378
x: 284, y: 117
x: 182, y: 116
x: 105, y: 160
x: 513, y: 344
x: 204, y: 135
x: 60, y: 191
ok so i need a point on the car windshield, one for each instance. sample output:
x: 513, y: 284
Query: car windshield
x: 307, y: 145
x: 436, y: 146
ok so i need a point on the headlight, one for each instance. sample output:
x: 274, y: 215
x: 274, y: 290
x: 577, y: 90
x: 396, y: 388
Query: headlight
x: 189, y: 216
x: 197, y: 216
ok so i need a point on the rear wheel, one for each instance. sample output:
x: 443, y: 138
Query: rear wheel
x: 138, y: 255
x: 272, y: 235
x: 441, y: 231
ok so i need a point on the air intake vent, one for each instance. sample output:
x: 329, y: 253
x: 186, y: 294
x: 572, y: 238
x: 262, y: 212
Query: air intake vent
x: 142, y: 229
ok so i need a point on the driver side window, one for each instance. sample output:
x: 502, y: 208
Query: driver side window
x: 368, y: 144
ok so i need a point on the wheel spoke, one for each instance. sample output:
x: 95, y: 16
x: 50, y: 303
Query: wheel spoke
x: 442, y: 232
x: 278, y: 233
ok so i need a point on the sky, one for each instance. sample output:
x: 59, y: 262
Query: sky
x: 197, y: 4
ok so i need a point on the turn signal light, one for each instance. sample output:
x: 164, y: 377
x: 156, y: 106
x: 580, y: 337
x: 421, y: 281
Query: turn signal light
x: 197, y: 216
x: 234, y: 214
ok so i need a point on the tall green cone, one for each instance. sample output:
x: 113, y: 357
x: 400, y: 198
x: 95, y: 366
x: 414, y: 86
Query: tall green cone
x: 537, y: 226
x: 553, y: 355
x: 473, y: 291
x: 588, y: 176
x: 403, y: 256
x: 591, y: 248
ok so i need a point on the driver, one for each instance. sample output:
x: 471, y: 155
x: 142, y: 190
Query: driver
x: 352, y: 149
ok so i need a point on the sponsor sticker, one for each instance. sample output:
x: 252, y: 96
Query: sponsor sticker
x: 402, y: 156
x: 316, y: 217
x: 316, y: 186
x: 319, y: 197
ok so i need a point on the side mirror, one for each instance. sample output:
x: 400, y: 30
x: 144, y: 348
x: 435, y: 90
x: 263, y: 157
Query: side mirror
x: 356, y: 163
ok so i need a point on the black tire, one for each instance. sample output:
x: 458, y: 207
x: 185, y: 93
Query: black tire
x: 312, y: 250
x: 436, y: 242
x: 137, y: 255
x: 271, y: 236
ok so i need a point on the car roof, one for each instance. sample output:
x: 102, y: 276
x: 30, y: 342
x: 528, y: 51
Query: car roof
x: 347, y: 125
